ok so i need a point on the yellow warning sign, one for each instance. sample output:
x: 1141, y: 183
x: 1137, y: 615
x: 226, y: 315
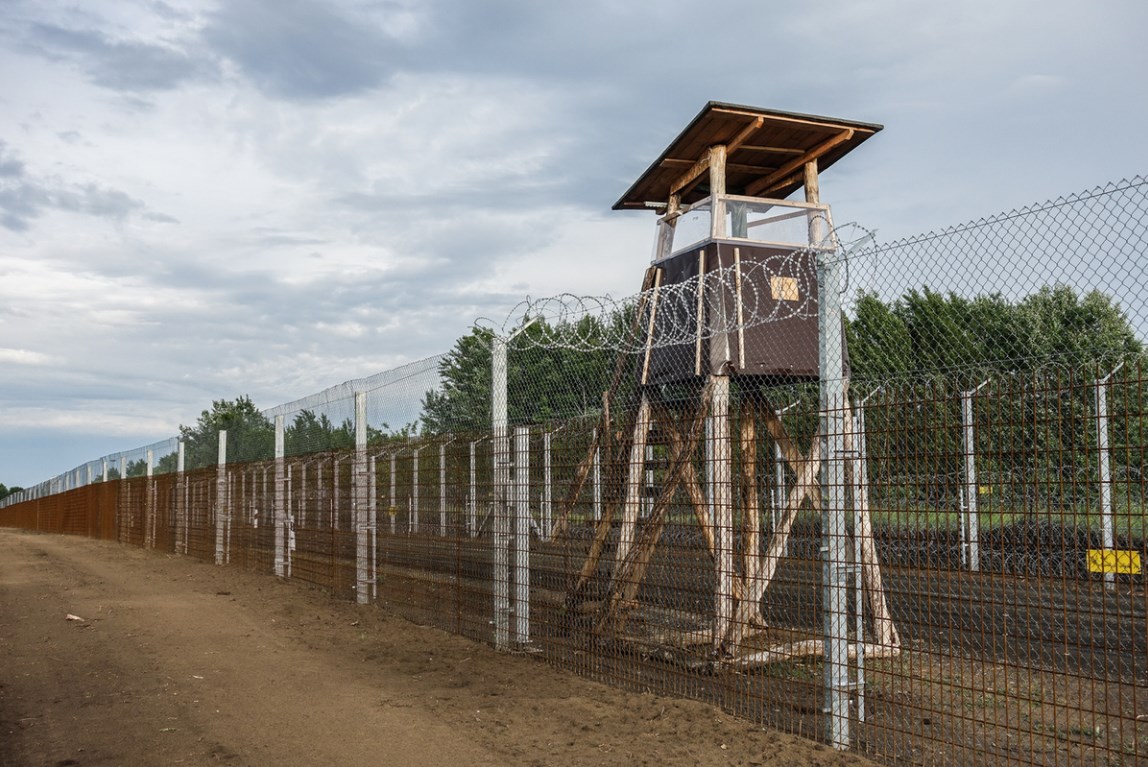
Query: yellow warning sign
x: 1114, y: 561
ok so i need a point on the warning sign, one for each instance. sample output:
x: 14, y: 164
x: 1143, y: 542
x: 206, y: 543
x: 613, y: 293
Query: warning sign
x: 1114, y: 561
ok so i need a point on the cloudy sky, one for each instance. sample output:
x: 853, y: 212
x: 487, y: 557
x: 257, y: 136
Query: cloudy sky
x: 201, y: 199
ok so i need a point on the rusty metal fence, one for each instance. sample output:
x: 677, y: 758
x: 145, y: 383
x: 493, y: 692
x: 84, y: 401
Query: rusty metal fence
x: 943, y: 565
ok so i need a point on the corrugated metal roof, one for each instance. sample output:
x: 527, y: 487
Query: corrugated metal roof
x: 770, y: 148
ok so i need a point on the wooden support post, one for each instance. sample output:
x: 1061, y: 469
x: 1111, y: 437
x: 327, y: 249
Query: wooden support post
x: 634, y: 472
x: 751, y: 504
x: 633, y: 571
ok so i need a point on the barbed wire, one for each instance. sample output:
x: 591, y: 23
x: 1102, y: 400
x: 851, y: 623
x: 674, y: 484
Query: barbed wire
x: 776, y: 287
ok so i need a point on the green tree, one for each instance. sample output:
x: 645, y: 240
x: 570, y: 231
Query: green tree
x: 250, y: 436
x: 545, y: 381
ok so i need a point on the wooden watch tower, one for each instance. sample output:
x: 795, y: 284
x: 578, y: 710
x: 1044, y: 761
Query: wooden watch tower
x: 722, y: 186
x: 727, y: 232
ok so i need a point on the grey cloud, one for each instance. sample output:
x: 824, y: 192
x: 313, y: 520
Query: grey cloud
x: 24, y: 198
x: 130, y: 66
x: 299, y: 50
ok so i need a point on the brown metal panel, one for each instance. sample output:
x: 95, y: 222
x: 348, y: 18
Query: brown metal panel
x: 779, y: 293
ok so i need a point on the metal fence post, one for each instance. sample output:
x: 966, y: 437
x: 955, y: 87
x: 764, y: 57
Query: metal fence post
x: 472, y: 503
x: 442, y: 490
x: 221, y: 507
x: 547, y: 525
x: 597, y: 472
x: 180, y: 499
x: 359, y: 493
x: 501, y: 520
x: 122, y: 502
x: 521, y: 604
x: 392, y: 508
x: 373, y: 525
x: 414, y: 518
x: 834, y: 562
x: 280, y: 506
x: 149, y: 502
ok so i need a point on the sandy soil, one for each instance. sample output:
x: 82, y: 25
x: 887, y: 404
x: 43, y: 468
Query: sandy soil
x: 179, y: 662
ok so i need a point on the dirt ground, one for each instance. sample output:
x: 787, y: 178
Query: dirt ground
x: 178, y: 662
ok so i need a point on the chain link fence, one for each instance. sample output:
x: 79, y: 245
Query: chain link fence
x: 932, y: 558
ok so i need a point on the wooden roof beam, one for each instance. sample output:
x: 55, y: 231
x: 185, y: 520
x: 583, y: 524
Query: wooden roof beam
x: 786, y: 171
x: 686, y: 181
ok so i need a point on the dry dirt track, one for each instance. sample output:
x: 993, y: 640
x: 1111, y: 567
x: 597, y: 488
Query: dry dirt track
x: 179, y: 662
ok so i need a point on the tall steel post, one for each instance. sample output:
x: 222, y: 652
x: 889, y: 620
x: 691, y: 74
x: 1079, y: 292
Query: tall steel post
x: 359, y: 492
x: 834, y: 552
x: 501, y: 520
x: 279, y: 500
x: 1107, y: 534
x: 221, y: 508
x: 521, y: 602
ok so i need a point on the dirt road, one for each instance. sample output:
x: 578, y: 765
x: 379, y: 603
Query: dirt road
x: 179, y: 662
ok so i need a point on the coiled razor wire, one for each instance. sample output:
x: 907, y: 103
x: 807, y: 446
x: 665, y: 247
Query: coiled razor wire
x: 731, y: 296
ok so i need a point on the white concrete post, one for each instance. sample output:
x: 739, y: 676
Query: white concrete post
x: 392, y: 510
x: 414, y: 522
x: 221, y: 508
x: 359, y: 500
x: 547, y: 489
x: 501, y: 521
x: 720, y: 458
x: 180, y: 499
x: 335, y: 495
x: 280, y: 499
x: 472, y: 499
x: 1107, y: 534
x: 970, y: 524
x: 597, y: 472
x: 442, y: 490
x: 373, y: 526
x: 521, y: 606
x: 290, y: 525
x: 149, y: 502
x: 124, y: 502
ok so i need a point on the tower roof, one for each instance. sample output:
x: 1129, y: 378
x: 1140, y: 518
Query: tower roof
x: 766, y: 153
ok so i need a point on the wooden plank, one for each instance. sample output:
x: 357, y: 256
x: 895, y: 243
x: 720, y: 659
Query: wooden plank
x: 772, y: 149
x: 740, y: 308
x: 650, y: 327
x: 796, y: 164
x: 634, y: 471
x: 686, y: 181
x: 701, y: 310
x: 717, y: 192
x: 733, y: 144
x: 733, y: 166
x: 782, y: 121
